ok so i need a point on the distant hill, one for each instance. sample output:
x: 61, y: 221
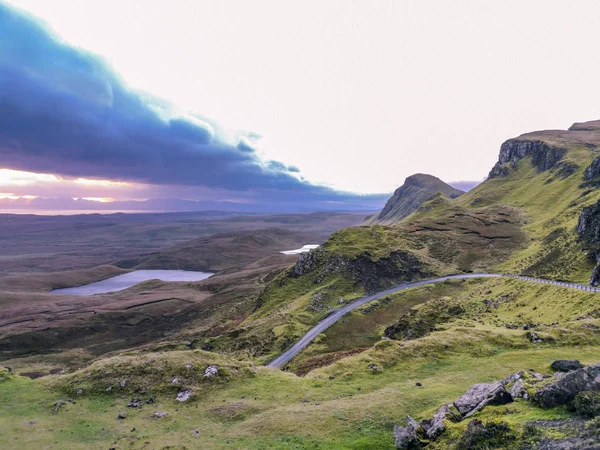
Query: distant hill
x: 409, y: 197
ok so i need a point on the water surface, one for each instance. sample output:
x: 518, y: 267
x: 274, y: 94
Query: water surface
x: 124, y: 281
x: 304, y: 249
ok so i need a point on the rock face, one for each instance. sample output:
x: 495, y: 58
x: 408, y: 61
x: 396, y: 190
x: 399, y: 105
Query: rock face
x: 374, y: 275
x: 588, y: 228
x: 566, y: 365
x: 481, y: 395
x: 544, y: 157
x: 595, y: 278
x: 567, y: 387
x: 381, y: 274
x: 593, y: 170
x: 408, y: 197
x: 306, y: 262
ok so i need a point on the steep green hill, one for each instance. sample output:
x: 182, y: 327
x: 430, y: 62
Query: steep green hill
x: 407, y: 198
x: 522, y: 219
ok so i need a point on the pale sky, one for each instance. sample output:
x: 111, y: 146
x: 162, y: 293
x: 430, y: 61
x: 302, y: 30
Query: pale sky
x: 357, y: 94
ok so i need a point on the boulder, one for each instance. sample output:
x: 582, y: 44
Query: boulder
x: 211, y: 371
x: 481, y: 395
x: 564, y: 390
x: 184, y: 396
x: 406, y: 437
x: 435, y: 426
x: 566, y: 365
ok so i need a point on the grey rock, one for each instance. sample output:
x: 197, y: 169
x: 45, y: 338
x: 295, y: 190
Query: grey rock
x: 481, y: 395
x: 79, y: 391
x: 184, y: 396
x: 406, y: 438
x: 306, y: 262
x: 435, y: 426
x: 564, y: 390
x: 122, y: 415
x: 534, y: 338
x: 517, y: 390
x: 57, y: 406
x: 211, y: 371
x: 176, y: 381
x: 566, y: 365
x: 159, y: 415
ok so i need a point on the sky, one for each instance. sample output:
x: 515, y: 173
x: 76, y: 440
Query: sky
x: 314, y: 102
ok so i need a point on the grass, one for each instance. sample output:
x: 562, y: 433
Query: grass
x: 356, y: 409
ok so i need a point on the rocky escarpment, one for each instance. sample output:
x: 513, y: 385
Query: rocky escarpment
x: 410, y: 196
x: 592, y: 172
x: 588, y: 228
x: 578, y: 389
x: 543, y: 156
x: 374, y: 275
x: 420, y: 321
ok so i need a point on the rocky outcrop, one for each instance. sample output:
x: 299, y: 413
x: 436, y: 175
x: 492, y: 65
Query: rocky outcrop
x: 543, y: 156
x: 588, y: 229
x: 595, y: 278
x: 409, y: 197
x: 578, y: 388
x: 420, y: 321
x: 566, y: 365
x: 435, y: 426
x: 564, y: 390
x: 385, y: 272
x: 306, y: 262
x: 481, y: 395
x: 375, y: 276
x: 592, y: 172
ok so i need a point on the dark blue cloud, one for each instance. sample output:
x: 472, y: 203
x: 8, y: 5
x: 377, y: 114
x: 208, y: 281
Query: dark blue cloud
x: 64, y: 111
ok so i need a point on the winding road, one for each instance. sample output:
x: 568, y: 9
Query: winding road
x: 337, y: 314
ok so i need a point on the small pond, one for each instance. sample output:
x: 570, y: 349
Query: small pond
x: 124, y: 281
x: 304, y: 249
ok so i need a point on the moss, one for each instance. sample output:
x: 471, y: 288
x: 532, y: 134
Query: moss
x: 587, y: 404
x: 493, y: 434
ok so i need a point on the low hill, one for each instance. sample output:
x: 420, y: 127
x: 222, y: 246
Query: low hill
x: 407, y: 198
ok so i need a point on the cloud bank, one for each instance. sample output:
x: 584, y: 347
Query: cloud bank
x: 65, y: 111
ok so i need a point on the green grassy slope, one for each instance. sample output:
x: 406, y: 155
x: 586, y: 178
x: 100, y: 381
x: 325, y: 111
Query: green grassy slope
x: 354, y: 385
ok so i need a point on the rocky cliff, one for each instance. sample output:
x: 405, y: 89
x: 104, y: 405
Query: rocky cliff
x: 544, y: 156
x: 408, y: 197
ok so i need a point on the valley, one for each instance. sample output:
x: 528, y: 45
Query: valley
x: 394, y: 314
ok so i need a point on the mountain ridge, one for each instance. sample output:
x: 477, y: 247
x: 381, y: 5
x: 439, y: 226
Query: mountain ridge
x: 407, y: 198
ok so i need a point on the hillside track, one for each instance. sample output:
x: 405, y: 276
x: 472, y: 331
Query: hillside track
x: 337, y: 314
